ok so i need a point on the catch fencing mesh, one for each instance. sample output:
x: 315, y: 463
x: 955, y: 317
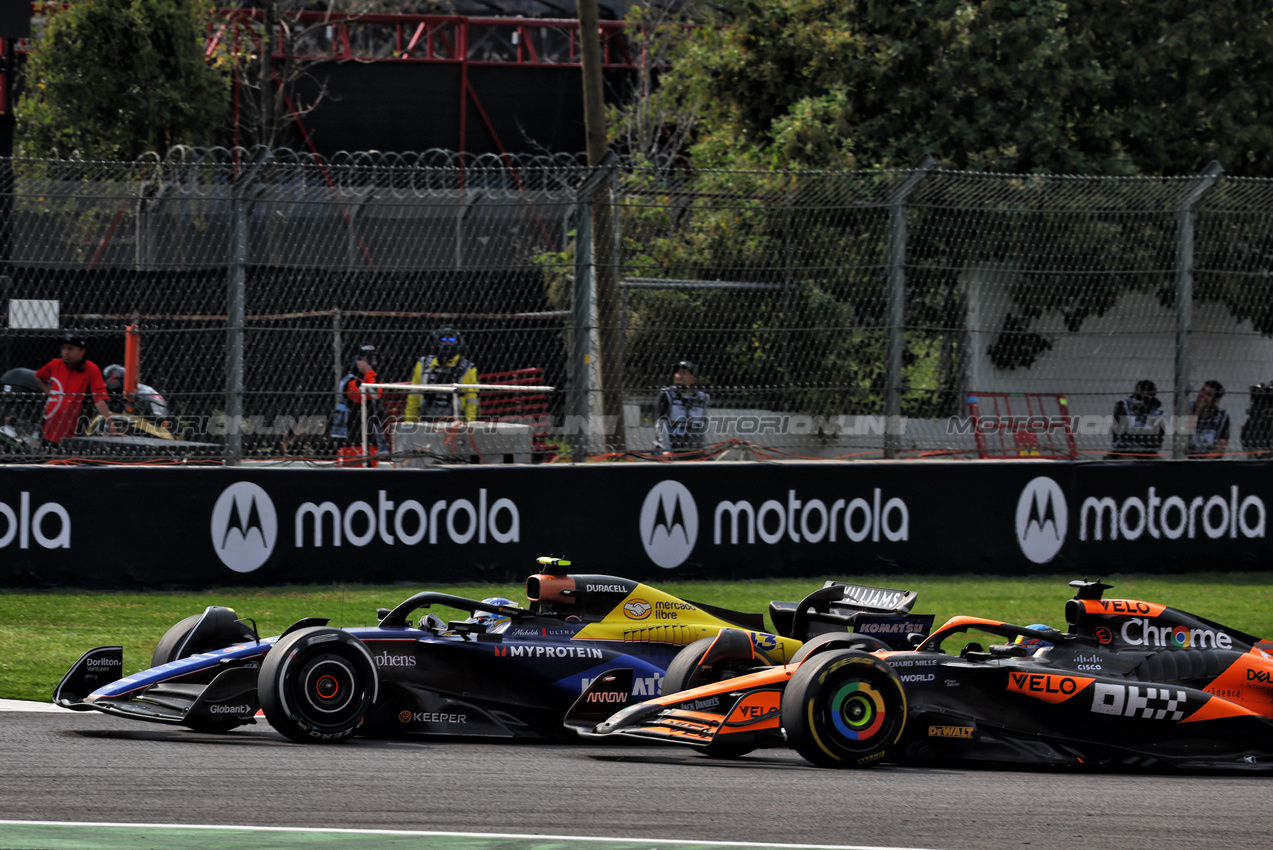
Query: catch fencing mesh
x: 831, y: 315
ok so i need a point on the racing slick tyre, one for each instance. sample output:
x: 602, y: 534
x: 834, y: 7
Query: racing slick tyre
x: 166, y: 649
x: 837, y: 640
x: 683, y: 673
x: 684, y: 665
x: 681, y: 676
x: 844, y: 708
x: 170, y: 647
x: 317, y: 685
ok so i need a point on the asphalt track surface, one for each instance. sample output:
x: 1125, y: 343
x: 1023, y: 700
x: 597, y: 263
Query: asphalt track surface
x: 62, y: 766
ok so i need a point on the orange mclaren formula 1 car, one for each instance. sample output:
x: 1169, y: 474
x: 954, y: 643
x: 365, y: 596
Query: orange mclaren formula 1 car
x: 1130, y: 684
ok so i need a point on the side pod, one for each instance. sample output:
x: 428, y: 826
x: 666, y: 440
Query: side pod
x: 97, y: 667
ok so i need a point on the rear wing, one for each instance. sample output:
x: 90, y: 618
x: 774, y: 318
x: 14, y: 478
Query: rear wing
x: 882, y: 612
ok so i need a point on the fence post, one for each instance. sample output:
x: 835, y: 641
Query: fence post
x: 236, y: 285
x: 461, y: 218
x: 610, y: 320
x: 618, y: 301
x: 6, y: 293
x: 896, y: 307
x: 1184, y: 303
x: 236, y: 298
x: 584, y: 342
x: 788, y: 294
x: 338, y: 352
x: 8, y: 200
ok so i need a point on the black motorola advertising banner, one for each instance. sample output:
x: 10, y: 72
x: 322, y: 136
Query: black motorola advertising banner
x: 165, y: 527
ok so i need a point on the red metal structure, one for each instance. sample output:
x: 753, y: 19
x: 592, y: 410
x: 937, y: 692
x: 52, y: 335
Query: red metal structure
x: 465, y: 42
x: 460, y: 41
x: 521, y: 408
x: 1022, y: 425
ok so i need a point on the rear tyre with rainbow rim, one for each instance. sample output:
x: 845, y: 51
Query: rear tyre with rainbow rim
x: 844, y: 709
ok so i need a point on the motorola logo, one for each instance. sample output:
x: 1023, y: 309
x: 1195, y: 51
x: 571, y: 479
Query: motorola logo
x: 669, y: 524
x: 244, y: 527
x: 1042, y: 519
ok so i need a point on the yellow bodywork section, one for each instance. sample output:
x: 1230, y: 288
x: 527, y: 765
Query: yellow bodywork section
x: 647, y: 615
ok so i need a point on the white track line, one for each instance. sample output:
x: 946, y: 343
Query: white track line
x: 28, y: 705
x: 504, y: 835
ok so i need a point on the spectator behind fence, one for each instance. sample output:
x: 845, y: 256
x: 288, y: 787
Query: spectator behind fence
x: 1257, y: 431
x: 66, y: 380
x: 1139, y: 424
x: 350, y: 399
x: 446, y: 364
x: 1210, y: 434
x: 681, y: 415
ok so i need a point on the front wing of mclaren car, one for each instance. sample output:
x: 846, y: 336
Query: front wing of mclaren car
x: 726, y: 718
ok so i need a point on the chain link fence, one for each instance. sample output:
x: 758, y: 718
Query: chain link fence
x: 831, y: 315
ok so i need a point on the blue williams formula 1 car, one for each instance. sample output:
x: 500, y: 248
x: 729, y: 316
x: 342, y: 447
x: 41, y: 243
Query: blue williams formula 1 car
x: 1131, y: 684
x: 505, y: 671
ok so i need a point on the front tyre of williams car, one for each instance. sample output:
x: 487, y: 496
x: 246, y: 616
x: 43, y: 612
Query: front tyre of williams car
x: 318, y: 685
x: 844, y: 709
x: 217, y: 627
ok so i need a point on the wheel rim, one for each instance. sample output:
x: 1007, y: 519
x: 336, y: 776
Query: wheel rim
x: 858, y: 710
x: 327, y: 690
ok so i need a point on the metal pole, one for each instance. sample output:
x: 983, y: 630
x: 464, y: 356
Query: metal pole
x: 338, y: 346
x: 618, y: 299
x: 1184, y: 303
x: 583, y: 327
x: 6, y: 291
x: 461, y: 216
x: 235, y: 297
x: 896, y: 308
x: 610, y: 319
x: 594, y: 107
x: 788, y: 298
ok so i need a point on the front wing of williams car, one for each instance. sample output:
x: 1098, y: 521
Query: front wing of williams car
x: 1133, y: 684
x: 505, y: 670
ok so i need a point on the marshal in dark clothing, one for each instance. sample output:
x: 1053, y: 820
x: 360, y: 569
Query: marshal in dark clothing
x: 1139, y: 424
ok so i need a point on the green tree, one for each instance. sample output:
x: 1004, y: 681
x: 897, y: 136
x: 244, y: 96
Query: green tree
x: 1043, y: 87
x: 113, y: 79
x: 1046, y: 86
